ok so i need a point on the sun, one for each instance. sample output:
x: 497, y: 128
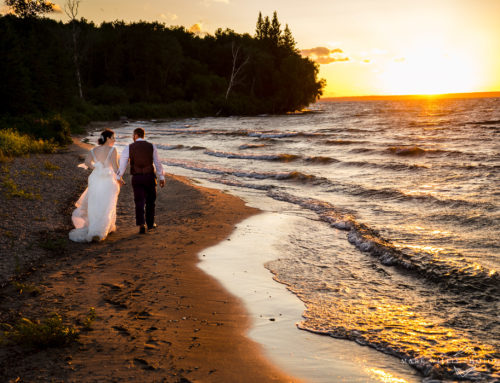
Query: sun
x: 429, y: 69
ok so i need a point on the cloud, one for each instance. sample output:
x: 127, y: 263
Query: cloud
x: 56, y: 8
x: 323, y: 55
x: 195, y: 28
x: 329, y: 60
x: 169, y: 16
x: 318, y: 51
x: 5, y: 10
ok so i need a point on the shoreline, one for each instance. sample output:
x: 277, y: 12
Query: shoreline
x: 158, y: 315
x: 243, y: 269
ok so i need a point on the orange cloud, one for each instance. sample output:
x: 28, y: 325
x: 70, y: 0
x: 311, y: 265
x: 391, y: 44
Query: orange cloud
x: 323, y: 55
x: 195, y: 28
x: 319, y: 51
x: 56, y: 8
x: 329, y: 60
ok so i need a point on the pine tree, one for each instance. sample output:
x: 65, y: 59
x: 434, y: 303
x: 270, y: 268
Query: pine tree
x: 287, y: 40
x: 266, y: 28
x: 275, y: 31
x: 259, y: 30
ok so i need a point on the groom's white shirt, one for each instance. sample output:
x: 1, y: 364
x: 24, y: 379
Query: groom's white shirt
x: 124, y: 162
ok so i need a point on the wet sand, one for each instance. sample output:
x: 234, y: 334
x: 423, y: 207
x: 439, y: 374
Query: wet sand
x: 275, y: 311
x: 159, y: 317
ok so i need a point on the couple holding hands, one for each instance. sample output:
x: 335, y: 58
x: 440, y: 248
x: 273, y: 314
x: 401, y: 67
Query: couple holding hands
x: 95, y: 214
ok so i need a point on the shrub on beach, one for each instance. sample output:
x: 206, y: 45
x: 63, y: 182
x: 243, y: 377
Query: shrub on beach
x: 13, y: 144
x: 55, y: 128
x: 49, y: 332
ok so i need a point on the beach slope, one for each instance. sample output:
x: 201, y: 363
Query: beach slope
x: 158, y: 316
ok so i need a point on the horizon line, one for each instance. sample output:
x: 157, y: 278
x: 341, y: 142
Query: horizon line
x: 491, y: 94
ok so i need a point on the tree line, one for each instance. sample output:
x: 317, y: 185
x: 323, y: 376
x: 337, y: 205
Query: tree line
x: 81, y: 71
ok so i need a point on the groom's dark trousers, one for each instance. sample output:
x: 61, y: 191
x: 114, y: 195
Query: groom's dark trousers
x: 144, y: 186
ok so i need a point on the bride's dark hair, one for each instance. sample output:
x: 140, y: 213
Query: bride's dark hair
x: 108, y: 133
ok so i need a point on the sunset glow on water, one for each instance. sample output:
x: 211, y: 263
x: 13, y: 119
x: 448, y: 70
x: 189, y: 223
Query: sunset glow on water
x: 401, y: 252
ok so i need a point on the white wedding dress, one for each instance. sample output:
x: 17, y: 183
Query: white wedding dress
x: 95, y: 213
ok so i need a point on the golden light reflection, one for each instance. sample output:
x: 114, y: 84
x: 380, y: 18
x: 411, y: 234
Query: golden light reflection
x: 384, y: 376
x: 434, y: 232
x: 380, y: 322
x: 428, y: 249
x: 419, y: 192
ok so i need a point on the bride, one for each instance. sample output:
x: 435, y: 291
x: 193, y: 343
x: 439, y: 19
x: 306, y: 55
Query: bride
x: 95, y: 214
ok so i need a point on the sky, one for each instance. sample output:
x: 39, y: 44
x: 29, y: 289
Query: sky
x: 363, y: 47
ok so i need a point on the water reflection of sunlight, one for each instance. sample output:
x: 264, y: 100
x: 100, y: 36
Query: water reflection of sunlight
x: 427, y: 249
x: 425, y: 189
x: 428, y: 231
x: 397, y: 326
x: 384, y: 376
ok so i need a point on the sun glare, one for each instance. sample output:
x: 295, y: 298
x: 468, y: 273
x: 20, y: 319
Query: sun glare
x: 429, y: 70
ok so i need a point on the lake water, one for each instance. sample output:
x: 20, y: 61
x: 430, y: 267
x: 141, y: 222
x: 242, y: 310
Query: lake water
x: 402, y: 253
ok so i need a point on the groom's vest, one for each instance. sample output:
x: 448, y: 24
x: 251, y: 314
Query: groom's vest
x: 141, y: 158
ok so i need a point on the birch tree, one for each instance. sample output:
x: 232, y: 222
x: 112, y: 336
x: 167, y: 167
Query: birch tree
x: 71, y: 10
x: 236, y: 68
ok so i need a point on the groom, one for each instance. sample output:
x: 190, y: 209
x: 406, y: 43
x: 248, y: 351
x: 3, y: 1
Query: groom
x: 143, y: 158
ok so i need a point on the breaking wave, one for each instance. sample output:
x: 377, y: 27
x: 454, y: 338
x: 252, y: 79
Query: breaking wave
x: 201, y: 167
x: 265, y: 157
x: 442, y: 271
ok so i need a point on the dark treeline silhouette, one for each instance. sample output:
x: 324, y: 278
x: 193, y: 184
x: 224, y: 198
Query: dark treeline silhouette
x: 146, y: 70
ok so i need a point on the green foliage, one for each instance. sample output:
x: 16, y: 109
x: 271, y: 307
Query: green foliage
x: 144, y: 70
x: 13, y: 143
x: 55, y: 128
x: 89, y: 319
x: 26, y: 288
x: 50, y: 166
x: 11, y: 189
x: 49, y: 332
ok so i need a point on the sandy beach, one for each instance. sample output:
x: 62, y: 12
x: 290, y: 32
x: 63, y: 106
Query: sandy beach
x: 159, y: 317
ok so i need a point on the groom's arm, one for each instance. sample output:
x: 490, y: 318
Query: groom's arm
x: 123, y: 163
x: 158, y: 165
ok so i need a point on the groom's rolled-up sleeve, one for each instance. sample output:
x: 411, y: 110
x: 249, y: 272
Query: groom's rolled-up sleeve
x: 123, y: 163
x: 158, y: 165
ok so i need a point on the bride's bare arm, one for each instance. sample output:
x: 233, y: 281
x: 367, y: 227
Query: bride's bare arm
x: 114, y: 160
x: 88, y: 161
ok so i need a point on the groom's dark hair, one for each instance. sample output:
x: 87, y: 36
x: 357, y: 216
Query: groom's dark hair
x: 139, y: 132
